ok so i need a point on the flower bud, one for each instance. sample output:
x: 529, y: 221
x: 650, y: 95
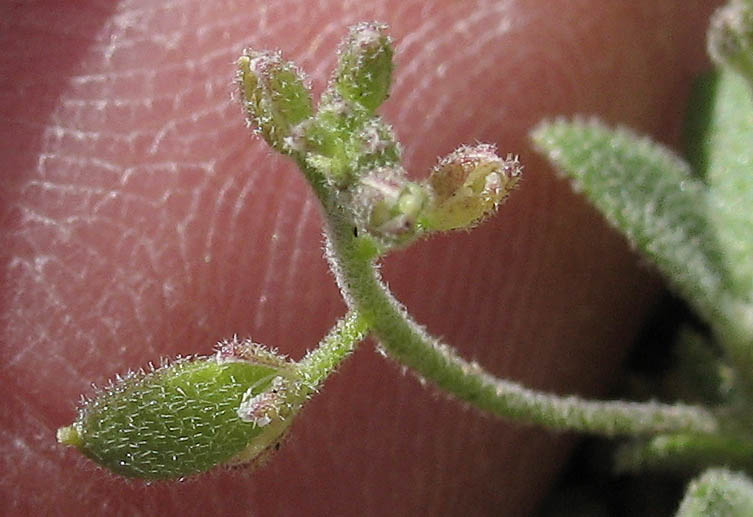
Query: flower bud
x: 467, y: 186
x: 730, y: 37
x: 275, y: 97
x: 186, y: 417
x: 343, y: 147
x: 387, y: 205
x: 364, y: 71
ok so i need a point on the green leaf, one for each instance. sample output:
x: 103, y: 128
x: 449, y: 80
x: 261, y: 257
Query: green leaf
x: 650, y: 195
x: 721, y: 147
x: 718, y: 493
x: 699, y: 375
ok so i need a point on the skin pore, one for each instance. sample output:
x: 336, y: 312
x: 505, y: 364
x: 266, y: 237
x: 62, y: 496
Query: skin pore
x: 140, y: 220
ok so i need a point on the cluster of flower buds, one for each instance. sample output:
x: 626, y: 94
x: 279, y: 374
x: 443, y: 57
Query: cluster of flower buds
x: 344, y: 137
x: 189, y: 416
x: 463, y: 189
x: 357, y: 153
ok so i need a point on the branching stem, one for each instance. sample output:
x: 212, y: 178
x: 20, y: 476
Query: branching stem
x: 409, y: 343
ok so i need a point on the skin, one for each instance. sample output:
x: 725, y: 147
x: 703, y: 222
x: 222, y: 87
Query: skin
x: 140, y: 220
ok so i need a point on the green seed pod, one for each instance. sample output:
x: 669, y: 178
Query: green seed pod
x: 364, y: 71
x: 730, y: 37
x: 467, y: 186
x: 189, y: 416
x: 275, y: 98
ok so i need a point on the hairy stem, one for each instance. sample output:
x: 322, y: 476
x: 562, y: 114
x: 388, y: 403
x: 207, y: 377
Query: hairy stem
x: 407, y: 342
x: 684, y: 452
x: 338, y: 344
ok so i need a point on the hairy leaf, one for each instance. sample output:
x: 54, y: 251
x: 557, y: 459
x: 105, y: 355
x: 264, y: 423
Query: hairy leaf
x: 650, y: 195
x: 721, y: 149
x: 718, y: 492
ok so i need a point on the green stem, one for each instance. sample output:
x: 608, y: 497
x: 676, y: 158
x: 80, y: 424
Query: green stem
x: 322, y: 361
x: 406, y: 341
x: 683, y: 452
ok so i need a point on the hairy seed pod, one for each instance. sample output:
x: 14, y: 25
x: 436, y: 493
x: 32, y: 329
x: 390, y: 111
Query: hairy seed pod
x: 188, y: 416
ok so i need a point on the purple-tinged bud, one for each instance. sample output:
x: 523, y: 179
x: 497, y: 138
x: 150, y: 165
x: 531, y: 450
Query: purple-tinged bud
x: 467, y: 186
x: 275, y: 97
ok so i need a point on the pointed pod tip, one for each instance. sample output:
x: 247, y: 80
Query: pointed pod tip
x: 69, y: 436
